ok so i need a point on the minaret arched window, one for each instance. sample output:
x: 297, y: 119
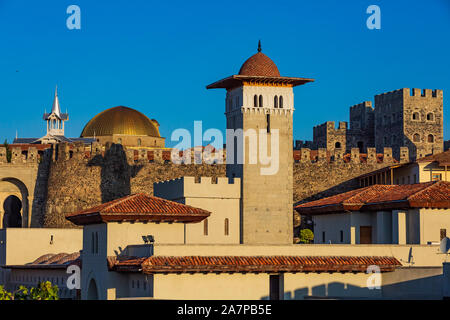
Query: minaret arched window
x: 416, y: 137
x: 275, y: 102
x: 260, y: 101
x: 430, y: 138
x: 281, y: 101
x: 255, y: 101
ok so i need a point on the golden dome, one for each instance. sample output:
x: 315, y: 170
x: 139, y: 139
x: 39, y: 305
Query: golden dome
x: 121, y: 120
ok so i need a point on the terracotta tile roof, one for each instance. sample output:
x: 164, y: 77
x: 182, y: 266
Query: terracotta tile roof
x: 376, y: 197
x: 138, y: 207
x: 253, y: 264
x: 51, y: 261
x: 442, y: 158
x: 259, y: 65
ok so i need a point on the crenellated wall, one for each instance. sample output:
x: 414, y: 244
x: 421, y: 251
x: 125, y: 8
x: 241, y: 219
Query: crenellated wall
x: 80, y: 178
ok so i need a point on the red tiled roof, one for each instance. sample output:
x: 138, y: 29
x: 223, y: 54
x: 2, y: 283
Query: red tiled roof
x: 442, y: 158
x: 376, y: 197
x: 139, y: 207
x: 259, y: 65
x: 253, y: 264
x: 51, y: 261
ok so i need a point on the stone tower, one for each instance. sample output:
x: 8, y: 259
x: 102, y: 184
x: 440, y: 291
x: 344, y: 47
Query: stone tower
x: 259, y: 107
x: 412, y: 119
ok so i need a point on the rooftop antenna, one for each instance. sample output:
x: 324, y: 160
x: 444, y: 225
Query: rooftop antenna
x: 259, y: 45
x: 16, y: 134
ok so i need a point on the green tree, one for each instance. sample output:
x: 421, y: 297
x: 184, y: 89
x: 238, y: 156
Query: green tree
x: 306, y: 236
x: 8, y: 151
x: 5, y: 295
x: 43, y: 291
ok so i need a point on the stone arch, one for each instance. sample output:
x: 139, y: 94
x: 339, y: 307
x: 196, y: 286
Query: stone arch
x: 92, y: 293
x: 12, y: 217
x: 19, y: 189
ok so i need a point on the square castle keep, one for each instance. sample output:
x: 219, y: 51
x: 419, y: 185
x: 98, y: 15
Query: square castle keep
x: 401, y: 118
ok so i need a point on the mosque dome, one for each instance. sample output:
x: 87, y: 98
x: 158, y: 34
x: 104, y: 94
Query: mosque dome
x: 259, y: 65
x: 121, y: 120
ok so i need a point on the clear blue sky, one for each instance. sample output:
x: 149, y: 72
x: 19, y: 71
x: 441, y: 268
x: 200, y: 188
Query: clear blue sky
x: 158, y: 56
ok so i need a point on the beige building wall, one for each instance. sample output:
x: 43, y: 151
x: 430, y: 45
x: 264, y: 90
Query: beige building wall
x: 413, y: 283
x: 431, y: 223
x: 333, y: 285
x: 211, y: 286
x: 408, y: 254
x: 266, y: 197
x: 7, y: 189
x: 119, y: 235
x: 328, y: 227
x: 413, y: 226
x: 118, y: 239
x: 20, y: 246
x: 222, y: 199
x: 432, y: 171
x: 420, y: 172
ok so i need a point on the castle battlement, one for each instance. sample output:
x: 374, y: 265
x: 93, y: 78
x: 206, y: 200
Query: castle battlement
x: 337, y: 156
x: 330, y: 125
x: 407, y: 92
x: 206, y: 187
x: 22, y: 155
x: 362, y: 106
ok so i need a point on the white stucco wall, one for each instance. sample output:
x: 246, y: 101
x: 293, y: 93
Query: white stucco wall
x: 222, y: 199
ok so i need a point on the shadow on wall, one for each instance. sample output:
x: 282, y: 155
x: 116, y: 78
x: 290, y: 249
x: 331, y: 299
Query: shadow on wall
x: 116, y: 173
x: 426, y: 287
x: 337, y: 189
x: 12, y: 217
x: 412, y: 148
x: 333, y: 290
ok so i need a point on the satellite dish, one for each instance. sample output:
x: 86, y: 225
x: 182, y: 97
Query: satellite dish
x: 445, y: 245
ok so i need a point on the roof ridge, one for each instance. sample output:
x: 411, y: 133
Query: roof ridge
x: 120, y: 200
x: 177, y: 203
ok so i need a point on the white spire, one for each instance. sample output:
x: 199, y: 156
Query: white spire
x: 55, y: 108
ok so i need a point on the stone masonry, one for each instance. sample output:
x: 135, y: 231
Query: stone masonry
x: 406, y: 117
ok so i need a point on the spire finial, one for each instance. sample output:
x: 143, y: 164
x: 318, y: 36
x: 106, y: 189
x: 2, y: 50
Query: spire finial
x: 259, y: 45
x: 56, y: 90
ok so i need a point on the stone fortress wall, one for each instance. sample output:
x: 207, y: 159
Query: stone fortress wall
x: 406, y: 117
x: 72, y: 177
